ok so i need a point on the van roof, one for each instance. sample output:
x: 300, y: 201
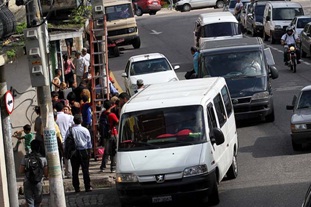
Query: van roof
x: 115, y: 2
x: 172, y: 94
x: 282, y: 4
x: 229, y: 43
x: 208, y: 18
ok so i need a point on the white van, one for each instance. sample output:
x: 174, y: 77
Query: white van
x: 177, y: 140
x: 216, y: 25
x: 276, y: 18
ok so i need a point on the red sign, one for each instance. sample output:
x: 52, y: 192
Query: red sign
x: 9, y: 102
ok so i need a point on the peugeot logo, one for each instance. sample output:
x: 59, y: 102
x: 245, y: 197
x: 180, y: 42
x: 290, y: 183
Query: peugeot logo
x: 160, y: 178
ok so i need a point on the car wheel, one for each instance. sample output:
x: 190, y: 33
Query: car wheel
x: 270, y: 117
x: 152, y: 12
x: 272, y: 39
x: 139, y: 12
x: 220, y: 4
x: 265, y: 36
x: 296, y: 147
x: 233, y: 170
x: 186, y: 7
x: 213, y: 197
x: 136, y: 43
x: 303, y: 53
x: 116, y: 51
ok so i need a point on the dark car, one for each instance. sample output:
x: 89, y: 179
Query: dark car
x: 301, y: 118
x: 305, y: 38
x: 254, y: 22
x: 146, y: 6
x: 307, y: 200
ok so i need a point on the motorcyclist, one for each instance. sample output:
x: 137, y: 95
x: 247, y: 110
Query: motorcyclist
x: 290, y: 38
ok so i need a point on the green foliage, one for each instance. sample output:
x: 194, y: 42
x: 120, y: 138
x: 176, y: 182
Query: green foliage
x: 79, y: 14
x: 11, y: 53
x: 20, y: 27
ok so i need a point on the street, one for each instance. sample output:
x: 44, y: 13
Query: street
x: 270, y: 172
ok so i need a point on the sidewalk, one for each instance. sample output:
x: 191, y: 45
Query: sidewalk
x: 99, y: 181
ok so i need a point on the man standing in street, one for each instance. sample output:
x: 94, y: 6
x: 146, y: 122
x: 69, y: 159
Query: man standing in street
x: 81, y: 67
x: 81, y: 158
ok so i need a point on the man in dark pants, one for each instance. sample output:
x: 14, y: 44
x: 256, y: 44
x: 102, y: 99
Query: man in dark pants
x: 82, y: 156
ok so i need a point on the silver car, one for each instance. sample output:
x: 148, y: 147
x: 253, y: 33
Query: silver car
x: 301, y: 118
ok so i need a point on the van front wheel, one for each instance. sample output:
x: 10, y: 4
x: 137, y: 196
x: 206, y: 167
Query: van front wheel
x: 136, y: 43
x: 213, y: 198
x: 233, y: 170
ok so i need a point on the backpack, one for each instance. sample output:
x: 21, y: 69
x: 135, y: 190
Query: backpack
x: 34, y: 168
x: 104, y: 128
x: 70, y: 145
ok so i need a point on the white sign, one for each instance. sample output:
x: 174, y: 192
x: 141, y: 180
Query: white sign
x: 9, y: 102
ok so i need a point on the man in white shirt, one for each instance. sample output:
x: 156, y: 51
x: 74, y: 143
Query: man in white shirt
x: 237, y: 10
x: 86, y: 56
x: 81, y: 66
x: 290, y: 38
x: 64, y: 122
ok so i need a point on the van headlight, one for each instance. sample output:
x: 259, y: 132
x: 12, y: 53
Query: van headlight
x: 126, y: 178
x: 261, y: 95
x: 195, y: 170
x: 132, y: 29
x: 296, y: 127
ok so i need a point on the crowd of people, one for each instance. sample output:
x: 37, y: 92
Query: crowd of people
x: 72, y: 109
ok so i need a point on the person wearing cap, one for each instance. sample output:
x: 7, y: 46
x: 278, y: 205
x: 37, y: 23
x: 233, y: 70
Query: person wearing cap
x: 81, y: 67
x: 140, y: 85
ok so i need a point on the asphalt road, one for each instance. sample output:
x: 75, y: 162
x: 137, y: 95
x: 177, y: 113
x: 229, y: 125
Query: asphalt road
x: 271, y: 174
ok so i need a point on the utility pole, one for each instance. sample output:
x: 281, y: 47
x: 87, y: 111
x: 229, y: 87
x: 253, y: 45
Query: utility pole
x: 7, y: 144
x: 36, y: 36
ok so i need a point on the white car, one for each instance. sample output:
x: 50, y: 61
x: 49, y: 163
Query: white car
x: 151, y: 68
x: 299, y: 22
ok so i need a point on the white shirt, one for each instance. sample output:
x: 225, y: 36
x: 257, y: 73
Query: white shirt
x: 289, y: 40
x: 64, y: 121
x: 87, y: 58
x: 80, y: 63
x: 238, y: 7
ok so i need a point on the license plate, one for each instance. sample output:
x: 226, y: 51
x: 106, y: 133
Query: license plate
x: 161, y: 199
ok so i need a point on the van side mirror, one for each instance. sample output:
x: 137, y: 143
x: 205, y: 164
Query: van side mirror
x: 219, y: 137
x: 268, y: 18
x: 274, y: 73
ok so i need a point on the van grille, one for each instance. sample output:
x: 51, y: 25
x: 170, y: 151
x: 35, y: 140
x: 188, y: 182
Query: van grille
x: 118, y: 32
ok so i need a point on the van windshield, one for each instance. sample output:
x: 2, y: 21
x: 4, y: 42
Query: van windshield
x: 122, y: 11
x: 286, y: 13
x: 221, y: 29
x: 232, y: 65
x: 161, y: 128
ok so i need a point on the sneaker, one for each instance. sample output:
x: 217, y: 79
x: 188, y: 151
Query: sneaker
x: 89, y: 189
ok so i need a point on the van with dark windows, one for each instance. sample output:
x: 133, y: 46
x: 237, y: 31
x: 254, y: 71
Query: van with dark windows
x: 177, y: 141
x: 215, y: 26
x: 247, y: 67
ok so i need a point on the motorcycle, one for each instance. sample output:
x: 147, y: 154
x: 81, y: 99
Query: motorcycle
x: 291, y: 57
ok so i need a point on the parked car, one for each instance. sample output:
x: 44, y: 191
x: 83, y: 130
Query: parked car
x: 151, y: 68
x: 301, y: 118
x: 255, y: 19
x: 307, y: 200
x: 305, y: 38
x: 147, y: 6
x: 299, y: 22
x: 187, y: 5
x: 277, y: 16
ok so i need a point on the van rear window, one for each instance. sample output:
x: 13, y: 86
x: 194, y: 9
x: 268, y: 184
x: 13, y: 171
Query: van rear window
x: 286, y: 13
x: 221, y: 29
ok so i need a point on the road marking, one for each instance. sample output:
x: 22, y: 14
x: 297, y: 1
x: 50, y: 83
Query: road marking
x: 155, y: 32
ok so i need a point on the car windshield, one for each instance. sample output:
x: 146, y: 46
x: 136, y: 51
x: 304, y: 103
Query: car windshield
x: 122, y: 11
x: 301, y: 23
x: 286, y: 13
x: 161, y: 128
x: 229, y: 65
x: 304, y: 100
x: 221, y: 29
x: 149, y: 66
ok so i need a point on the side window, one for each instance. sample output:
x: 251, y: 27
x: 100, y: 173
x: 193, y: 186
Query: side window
x: 226, y: 98
x: 212, y: 123
x: 220, y: 110
x: 127, y: 67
